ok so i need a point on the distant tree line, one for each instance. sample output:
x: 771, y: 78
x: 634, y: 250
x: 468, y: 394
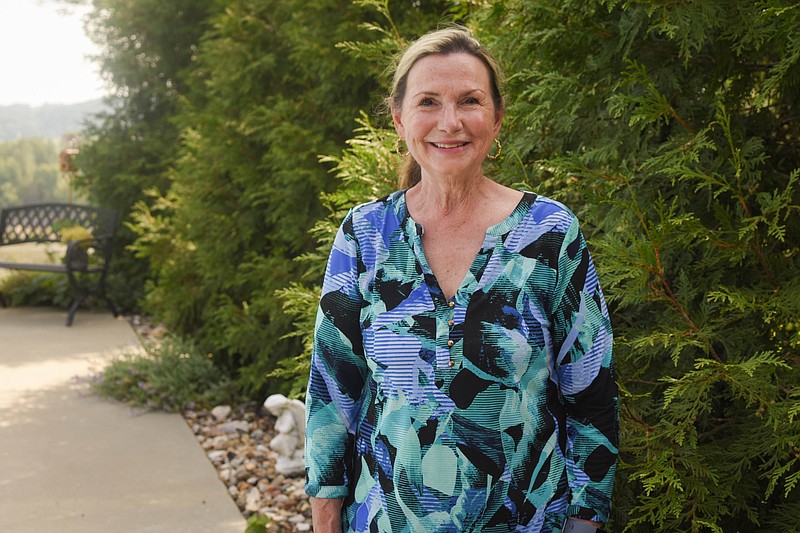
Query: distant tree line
x: 49, y: 121
x: 30, y: 172
x: 241, y: 130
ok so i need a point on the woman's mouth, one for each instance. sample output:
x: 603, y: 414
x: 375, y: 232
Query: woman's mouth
x: 448, y: 145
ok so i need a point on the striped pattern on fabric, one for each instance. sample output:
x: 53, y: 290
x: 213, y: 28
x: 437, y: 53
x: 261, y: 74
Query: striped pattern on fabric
x: 495, y: 411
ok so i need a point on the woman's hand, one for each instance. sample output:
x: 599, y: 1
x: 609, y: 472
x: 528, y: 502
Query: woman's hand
x: 326, y: 515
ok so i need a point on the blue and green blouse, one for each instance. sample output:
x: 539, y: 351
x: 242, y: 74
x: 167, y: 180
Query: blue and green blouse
x: 496, y: 410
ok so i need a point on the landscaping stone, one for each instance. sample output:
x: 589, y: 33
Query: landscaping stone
x: 221, y: 412
x: 236, y: 441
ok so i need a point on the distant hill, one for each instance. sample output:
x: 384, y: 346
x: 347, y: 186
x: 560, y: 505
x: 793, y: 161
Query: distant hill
x: 49, y: 121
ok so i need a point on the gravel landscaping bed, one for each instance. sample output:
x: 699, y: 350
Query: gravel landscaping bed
x: 236, y: 441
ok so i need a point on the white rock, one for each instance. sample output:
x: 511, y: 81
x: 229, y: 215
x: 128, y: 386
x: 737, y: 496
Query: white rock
x: 235, y: 426
x: 221, y: 412
x: 219, y: 441
x: 217, y: 455
x: 290, y: 467
x: 252, y: 500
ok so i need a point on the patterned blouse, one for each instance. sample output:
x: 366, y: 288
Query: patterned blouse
x: 496, y: 410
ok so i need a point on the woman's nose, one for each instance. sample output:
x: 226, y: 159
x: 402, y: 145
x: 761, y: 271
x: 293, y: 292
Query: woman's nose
x: 450, y: 119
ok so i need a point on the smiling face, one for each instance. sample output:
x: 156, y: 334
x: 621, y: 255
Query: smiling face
x: 448, y: 118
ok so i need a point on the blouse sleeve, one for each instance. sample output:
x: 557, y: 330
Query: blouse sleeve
x: 338, y: 371
x: 584, y: 370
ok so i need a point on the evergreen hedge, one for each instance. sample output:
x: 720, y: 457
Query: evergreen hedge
x: 669, y: 127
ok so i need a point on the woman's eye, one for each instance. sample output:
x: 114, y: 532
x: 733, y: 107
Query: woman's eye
x: 426, y: 102
x: 471, y: 101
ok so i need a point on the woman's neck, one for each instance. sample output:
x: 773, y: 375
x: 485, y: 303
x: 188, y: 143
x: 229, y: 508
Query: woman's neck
x: 436, y: 199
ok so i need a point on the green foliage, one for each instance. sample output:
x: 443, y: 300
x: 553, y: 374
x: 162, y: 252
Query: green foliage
x: 368, y: 170
x: 244, y: 186
x: 671, y: 129
x: 257, y: 524
x: 29, y: 173
x: 170, y: 376
x: 270, y: 92
x: 21, y: 289
x: 147, y: 49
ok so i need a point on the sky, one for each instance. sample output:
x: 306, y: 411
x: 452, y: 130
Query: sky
x: 43, y: 54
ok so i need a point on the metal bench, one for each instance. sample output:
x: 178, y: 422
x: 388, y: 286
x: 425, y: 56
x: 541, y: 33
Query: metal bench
x: 86, y: 260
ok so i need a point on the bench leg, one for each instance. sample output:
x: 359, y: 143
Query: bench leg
x: 101, y: 292
x: 81, y: 294
x: 112, y: 307
x: 73, y: 308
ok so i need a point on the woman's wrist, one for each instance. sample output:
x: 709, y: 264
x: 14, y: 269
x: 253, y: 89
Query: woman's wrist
x: 576, y: 525
x: 326, y: 514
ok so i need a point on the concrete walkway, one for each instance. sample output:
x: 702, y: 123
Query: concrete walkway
x: 73, y: 463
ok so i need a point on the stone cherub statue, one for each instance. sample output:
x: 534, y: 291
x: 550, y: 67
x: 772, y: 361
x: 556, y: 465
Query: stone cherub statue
x: 291, y: 428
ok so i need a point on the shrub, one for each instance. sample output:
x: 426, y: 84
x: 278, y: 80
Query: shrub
x: 170, y: 376
x: 35, y: 288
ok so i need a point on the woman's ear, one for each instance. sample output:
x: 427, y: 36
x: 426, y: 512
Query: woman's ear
x: 398, y: 122
x: 498, y: 117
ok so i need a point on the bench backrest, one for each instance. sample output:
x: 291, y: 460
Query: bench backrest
x: 42, y: 222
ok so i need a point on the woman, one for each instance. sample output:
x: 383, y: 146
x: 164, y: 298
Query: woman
x: 462, y: 370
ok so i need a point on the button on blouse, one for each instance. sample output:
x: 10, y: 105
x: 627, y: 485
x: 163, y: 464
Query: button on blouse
x: 415, y: 400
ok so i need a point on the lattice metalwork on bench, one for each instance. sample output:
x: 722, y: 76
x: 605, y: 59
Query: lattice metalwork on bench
x: 42, y: 222
x: 86, y: 261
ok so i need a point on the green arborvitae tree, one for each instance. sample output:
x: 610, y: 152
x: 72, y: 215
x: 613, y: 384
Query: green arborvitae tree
x: 148, y: 47
x: 366, y: 170
x: 272, y: 90
x: 671, y: 128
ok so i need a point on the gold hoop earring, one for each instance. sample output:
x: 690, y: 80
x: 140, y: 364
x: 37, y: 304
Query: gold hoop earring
x: 397, y: 147
x: 499, y: 149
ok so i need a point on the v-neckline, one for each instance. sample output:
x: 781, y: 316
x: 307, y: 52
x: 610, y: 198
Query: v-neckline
x: 414, y: 231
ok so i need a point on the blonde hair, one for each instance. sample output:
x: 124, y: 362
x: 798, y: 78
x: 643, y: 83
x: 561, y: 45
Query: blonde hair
x: 450, y: 40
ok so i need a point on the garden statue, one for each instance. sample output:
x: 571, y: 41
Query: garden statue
x: 291, y: 428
